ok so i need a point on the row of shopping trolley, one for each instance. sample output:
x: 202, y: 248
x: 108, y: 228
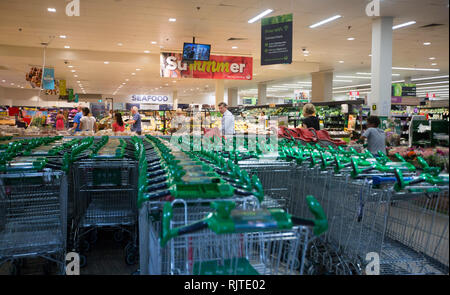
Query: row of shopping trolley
x: 201, y: 211
x: 378, y: 210
x: 201, y: 214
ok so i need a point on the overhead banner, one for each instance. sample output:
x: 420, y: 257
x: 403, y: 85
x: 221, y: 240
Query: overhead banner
x: 34, y: 76
x: 49, y: 79
x: 70, y: 98
x: 403, y: 89
x: 62, y: 88
x: 276, y: 40
x: 218, y: 67
x: 151, y: 99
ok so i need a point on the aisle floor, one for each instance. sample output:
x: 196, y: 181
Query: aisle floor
x: 105, y: 258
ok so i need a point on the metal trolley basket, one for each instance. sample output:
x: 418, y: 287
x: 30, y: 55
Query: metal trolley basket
x: 275, y: 176
x: 196, y: 249
x: 105, y: 193
x: 33, y: 218
x: 417, y: 234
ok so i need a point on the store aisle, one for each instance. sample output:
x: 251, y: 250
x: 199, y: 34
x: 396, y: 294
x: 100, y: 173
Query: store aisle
x: 105, y: 258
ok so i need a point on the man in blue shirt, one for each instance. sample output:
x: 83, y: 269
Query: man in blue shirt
x: 136, y: 121
x: 77, y: 119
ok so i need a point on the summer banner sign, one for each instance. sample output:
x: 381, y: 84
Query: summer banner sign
x: 218, y: 67
x: 276, y: 40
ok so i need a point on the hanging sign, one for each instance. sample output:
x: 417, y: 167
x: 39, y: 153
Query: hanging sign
x: 218, y: 67
x: 276, y: 40
x: 70, y: 91
x: 403, y: 89
x: 49, y: 79
x: 62, y: 88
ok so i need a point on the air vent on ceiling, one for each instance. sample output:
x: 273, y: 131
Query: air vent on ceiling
x: 236, y: 39
x: 431, y: 26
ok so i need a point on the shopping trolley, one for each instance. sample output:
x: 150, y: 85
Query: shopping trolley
x: 235, y: 242
x: 105, y: 192
x: 33, y: 218
x: 183, y: 212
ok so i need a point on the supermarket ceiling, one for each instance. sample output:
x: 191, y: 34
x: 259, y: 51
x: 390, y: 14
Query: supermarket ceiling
x: 130, y: 34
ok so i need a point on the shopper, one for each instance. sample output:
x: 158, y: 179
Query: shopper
x: 118, y: 125
x: 77, y: 119
x: 60, y: 121
x: 376, y: 138
x: 136, y: 121
x: 227, y: 119
x: 88, y: 122
x: 20, y: 122
x: 178, y: 122
x: 310, y: 121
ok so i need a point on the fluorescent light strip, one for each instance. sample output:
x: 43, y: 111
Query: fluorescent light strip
x: 438, y: 90
x: 415, y: 69
x: 399, y: 81
x: 432, y: 83
x: 324, y: 21
x: 354, y: 77
x: 261, y: 15
x: 348, y: 81
x: 433, y: 92
x: 432, y: 87
x: 344, y: 91
x: 430, y: 78
x: 403, y: 25
x: 351, y: 86
x: 370, y: 74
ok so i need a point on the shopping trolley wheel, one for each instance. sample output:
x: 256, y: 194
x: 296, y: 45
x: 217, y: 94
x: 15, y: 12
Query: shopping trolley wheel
x: 129, y: 246
x: 131, y: 258
x: 83, y: 260
x: 311, y: 270
x: 118, y: 236
x: 354, y: 269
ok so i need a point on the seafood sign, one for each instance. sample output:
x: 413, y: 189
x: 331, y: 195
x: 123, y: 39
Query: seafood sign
x: 218, y: 67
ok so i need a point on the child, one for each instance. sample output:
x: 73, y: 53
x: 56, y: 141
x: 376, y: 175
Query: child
x: 376, y: 139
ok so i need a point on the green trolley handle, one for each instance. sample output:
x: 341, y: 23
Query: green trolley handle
x: 226, y: 220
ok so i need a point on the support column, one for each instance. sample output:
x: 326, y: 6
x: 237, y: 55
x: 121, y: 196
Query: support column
x: 322, y: 86
x: 232, y: 97
x: 175, y: 100
x: 220, y: 90
x: 381, y: 94
x: 262, y: 94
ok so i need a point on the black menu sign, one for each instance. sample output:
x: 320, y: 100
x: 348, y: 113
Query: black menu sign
x: 276, y: 40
